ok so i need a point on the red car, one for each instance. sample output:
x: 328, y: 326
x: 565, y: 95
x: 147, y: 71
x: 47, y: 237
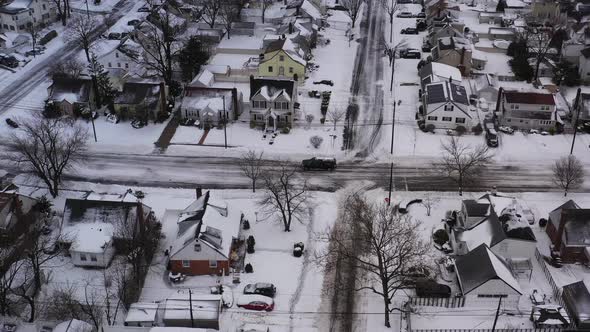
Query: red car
x: 256, y: 302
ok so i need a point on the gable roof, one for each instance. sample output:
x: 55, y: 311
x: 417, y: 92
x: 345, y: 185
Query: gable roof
x: 73, y: 90
x: 441, y: 92
x: 481, y: 265
x: 135, y: 93
x: 476, y: 209
x: 436, y: 71
x: 272, y: 85
x: 577, y: 298
x: 529, y: 98
x: 287, y: 46
x: 16, y: 6
x: 555, y: 215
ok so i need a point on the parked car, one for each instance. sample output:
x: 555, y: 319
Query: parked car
x: 11, y: 123
x: 114, y: 36
x: 420, y: 15
x: 426, y: 47
x: 327, y: 82
x: 533, y: 131
x: 410, y: 54
x: 429, y: 288
x: 256, y: 302
x: 137, y: 124
x: 421, y: 24
x: 319, y: 163
x: 34, y: 52
x: 249, y: 327
x: 405, y: 15
x: 409, y: 31
x: 491, y: 135
x: 544, y: 133
x: 134, y: 22
x: 143, y: 10
x: 9, y: 61
x: 187, y: 122
x: 506, y: 130
x: 113, y: 118
x: 261, y: 288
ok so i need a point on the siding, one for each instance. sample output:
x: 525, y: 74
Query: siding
x: 515, y: 248
x: 492, y: 287
x: 103, y: 260
x: 273, y: 60
x: 200, y: 267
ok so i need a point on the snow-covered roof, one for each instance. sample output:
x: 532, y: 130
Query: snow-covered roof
x: 142, y: 312
x: 484, y: 81
x: 515, y: 4
x: 89, y: 237
x: 204, y: 306
x: 311, y: 10
x: 445, y: 71
x: 16, y: 6
x: 205, y: 78
x: 481, y: 265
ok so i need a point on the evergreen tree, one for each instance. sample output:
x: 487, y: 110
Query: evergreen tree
x: 191, y: 57
x: 103, y: 88
x: 522, y: 69
x: 501, y: 6
x: 566, y: 73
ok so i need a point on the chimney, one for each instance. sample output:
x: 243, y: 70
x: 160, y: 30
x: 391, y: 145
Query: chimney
x: 499, y: 100
x: 199, y: 191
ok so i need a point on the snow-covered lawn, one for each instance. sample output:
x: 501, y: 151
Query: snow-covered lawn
x: 103, y: 6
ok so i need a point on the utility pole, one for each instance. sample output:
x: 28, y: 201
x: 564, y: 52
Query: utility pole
x: 87, y: 10
x: 190, y: 301
x: 92, y: 120
x: 224, y: 123
x: 391, y: 152
x: 577, y: 110
x: 392, y: 69
x: 497, y: 314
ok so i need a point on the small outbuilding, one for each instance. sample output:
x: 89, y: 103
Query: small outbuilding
x: 577, y: 300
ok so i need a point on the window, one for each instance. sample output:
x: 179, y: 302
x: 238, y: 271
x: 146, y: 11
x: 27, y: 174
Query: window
x: 15, y: 18
x: 447, y: 118
x: 116, y: 54
x: 44, y: 7
x: 110, y: 65
x: 93, y: 258
x: 459, y: 120
x: 186, y: 263
x: 83, y: 257
x: 545, y: 122
x: 119, y: 64
x: 291, y: 70
x: 126, y: 65
x: 197, y: 247
x: 432, y: 118
x: 258, y: 104
x: 22, y: 26
x: 514, y: 106
x: 5, y: 26
x: 213, y: 264
x: 12, y: 28
x: 545, y: 108
x: 270, y: 69
x: 449, y: 108
x: 281, y: 58
x: 508, y: 120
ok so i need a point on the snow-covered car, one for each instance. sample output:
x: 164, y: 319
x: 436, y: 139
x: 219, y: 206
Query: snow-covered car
x: 261, y: 288
x: 113, y: 118
x: 11, y: 123
x: 409, y: 31
x: 405, y: 15
x: 137, y: 124
x: 501, y: 44
x: 420, y: 15
x: 256, y: 302
x: 533, y: 131
x: 506, y: 130
x: 544, y: 133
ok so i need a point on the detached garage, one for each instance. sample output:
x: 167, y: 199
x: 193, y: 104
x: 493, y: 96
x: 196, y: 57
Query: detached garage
x: 577, y: 301
x: 484, y: 278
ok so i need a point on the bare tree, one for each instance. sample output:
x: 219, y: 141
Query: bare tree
x: 335, y: 115
x: 25, y: 288
x: 353, y: 8
x: 80, y: 30
x: 33, y: 31
x: 47, y: 148
x: 568, y: 172
x: 285, y: 194
x: 390, y: 7
x: 211, y: 11
x: 462, y: 163
x: 251, y: 166
x: 429, y: 202
x: 229, y: 15
x: 264, y: 4
x: 160, y: 42
x: 8, y: 282
x: 60, y: 12
x: 316, y: 141
x: 41, y: 250
x: 540, y: 42
x: 309, y: 119
x: 70, y: 68
x: 379, y: 242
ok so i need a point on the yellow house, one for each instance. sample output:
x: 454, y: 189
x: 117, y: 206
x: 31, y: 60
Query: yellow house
x: 280, y: 59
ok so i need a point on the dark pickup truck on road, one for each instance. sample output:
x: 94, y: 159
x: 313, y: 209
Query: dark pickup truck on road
x: 319, y: 163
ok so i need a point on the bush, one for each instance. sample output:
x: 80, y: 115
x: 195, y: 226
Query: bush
x: 430, y: 127
x: 477, y: 129
x: 248, y: 268
x: 551, y: 130
x: 316, y: 141
x: 542, y: 222
x: 285, y: 130
x: 43, y: 205
x: 175, y: 89
x: 246, y: 225
x: 460, y: 130
x: 323, y: 120
x: 440, y: 237
x: 250, y: 244
x: 51, y: 111
x: 252, y: 124
x: 48, y: 37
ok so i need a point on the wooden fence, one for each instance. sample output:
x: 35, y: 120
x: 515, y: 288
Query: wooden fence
x: 449, y: 302
x: 554, y: 287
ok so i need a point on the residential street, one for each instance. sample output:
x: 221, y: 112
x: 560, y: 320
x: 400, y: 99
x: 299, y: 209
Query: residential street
x: 29, y: 80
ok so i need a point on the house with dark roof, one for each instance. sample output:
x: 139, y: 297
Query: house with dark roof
x: 272, y: 102
x: 527, y: 110
x: 70, y: 94
x: 576, y: 298
x: 484, y: 277
x: 568, y: 229
x: 282, y: 59
x: 445, y: 105
x: 454, y: 51
x: 209, y: 241
x: 495, y: 221
x: 141, y: 100
x: 94, y: 229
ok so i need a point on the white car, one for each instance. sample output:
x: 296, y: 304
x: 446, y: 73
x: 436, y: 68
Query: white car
x: 405, y: 15
x: 506, y: 129
x: 533, y: 131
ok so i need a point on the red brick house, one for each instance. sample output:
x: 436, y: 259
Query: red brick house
x: 210, y: 245
x: 569, y: 231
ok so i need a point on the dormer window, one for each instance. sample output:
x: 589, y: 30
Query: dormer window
x: 281, y: 58
x: 449, y: 108
x: 116, y: 54
x: 197, y: 247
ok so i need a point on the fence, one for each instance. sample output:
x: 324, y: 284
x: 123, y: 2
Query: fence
x: 449, y: 302
x: 554, y: 287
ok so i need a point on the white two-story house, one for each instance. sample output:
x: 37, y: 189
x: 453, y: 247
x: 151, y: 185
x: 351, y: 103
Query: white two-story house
x: 18, y: 15
x: 527, y: 110
x: 446, y: 106
x: 272, y: 102
x: 124, y: 55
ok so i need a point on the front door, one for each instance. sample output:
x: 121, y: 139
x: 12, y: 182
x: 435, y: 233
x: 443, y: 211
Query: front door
x: 282, y: 71
x: 271, y: 122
